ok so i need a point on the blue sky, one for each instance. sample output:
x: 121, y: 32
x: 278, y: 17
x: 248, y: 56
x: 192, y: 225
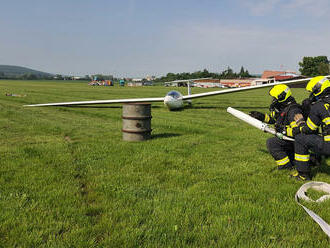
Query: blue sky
x: 144, y: 37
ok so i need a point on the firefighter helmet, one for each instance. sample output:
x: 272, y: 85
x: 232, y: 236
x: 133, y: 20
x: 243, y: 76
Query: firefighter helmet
x: 317, y: 85
x: 280, y: 92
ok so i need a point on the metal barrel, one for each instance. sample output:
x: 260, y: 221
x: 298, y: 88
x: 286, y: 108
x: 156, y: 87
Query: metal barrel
x: 136, y: 121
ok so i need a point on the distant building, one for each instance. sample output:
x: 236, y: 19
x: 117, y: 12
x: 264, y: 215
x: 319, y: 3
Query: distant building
x: 234, y: 83
x: 137, y: 79
x: 279, y: 75
x: 282, y: 76
x: 150, y: 78
x: 134, y: 83
x: 139, y: 83
x: 148, y: 83
x: 202, y: 83
x: 177, y: 84
x: 267, y: 77
x: 207, y: 83
x: 260, y: 81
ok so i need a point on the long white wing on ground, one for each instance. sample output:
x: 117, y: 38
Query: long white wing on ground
x: 161, y: 99
x: 158, y: 99
x: 219, y: 92
x: 187, y: 80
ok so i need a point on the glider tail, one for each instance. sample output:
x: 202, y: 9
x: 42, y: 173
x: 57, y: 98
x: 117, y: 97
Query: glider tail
x: 189, y: 91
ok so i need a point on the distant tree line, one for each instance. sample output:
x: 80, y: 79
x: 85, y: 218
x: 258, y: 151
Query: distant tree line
x: 25, y: 76
x: 226, y: 74
x: 309, y: 66
x: 34, y: 76
x: 314, y: 66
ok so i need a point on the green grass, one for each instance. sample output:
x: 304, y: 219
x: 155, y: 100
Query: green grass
x: 205, y: 179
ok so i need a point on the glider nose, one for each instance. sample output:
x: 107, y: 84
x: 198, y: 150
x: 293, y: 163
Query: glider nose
x: 168, y: 100
x: 173, y: 103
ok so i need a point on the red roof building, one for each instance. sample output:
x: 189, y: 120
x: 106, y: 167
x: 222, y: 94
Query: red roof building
x: 233, y: 83
x: 279, y: 74
x: 282, y: 76
x: 207, y: 83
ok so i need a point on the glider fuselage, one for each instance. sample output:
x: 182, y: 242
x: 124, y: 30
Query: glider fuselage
x: 174, y: 100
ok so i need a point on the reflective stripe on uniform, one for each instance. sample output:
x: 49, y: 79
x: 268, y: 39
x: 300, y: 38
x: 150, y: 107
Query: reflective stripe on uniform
x: 267, y: 119
x: 326, y: 106
x: 293, y: 124
x: 326, y: 121
x: 289, y: 132
x: 327, y: 138
x: 311, y: 124
x: 283, y: 161
x: 301, y: 157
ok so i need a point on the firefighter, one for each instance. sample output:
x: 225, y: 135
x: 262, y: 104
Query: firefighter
x: 319, y: 117
x: 286, y: 114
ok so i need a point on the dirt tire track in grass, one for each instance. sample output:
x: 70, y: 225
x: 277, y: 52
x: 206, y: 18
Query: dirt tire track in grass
x: 85, y: 192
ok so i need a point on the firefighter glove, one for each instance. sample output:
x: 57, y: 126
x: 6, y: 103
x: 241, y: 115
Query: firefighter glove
x: 304, y: 129
x: 257, y: 115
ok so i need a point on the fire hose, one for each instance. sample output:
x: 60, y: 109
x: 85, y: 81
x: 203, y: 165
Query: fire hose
x: 301, y: 193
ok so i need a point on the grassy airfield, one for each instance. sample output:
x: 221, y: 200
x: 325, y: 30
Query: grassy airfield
x: 205, y: 179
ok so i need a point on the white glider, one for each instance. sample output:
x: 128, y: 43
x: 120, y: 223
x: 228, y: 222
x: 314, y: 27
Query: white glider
x: 173, y: 99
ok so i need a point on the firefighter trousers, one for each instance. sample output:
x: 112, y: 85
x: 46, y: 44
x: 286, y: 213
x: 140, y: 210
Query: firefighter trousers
x: 304, y: 143
x: 282, y: 151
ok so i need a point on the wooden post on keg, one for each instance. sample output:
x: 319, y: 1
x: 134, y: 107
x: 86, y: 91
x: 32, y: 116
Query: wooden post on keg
x: 136, y: 121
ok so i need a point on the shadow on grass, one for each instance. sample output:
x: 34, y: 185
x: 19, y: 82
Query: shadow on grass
x: 225, y: 107
x: 177, y: 110
x: 100, y: 107
x: 250, y: 107
x: 324, y: 168
x: 110, y: 107
x: 164, y: 135
x: 202, y: 107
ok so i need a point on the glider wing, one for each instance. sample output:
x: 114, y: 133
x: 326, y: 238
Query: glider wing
x: 132, y: 100
x: 219, y: 92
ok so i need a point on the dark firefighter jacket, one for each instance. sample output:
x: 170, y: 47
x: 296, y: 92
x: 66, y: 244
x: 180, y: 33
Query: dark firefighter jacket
x: 319, y: 116
x: 286, y: 120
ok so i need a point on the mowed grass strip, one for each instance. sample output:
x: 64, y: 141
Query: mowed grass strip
x: 205, y: 179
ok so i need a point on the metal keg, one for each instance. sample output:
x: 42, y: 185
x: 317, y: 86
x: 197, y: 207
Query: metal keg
x: 136, y: 121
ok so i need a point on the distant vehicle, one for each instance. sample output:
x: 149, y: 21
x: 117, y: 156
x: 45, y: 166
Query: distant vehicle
x: 101, y: 83
x: 122, y: 82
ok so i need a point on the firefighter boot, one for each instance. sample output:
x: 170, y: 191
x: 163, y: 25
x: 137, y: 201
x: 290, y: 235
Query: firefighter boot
x: 301, y: 176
